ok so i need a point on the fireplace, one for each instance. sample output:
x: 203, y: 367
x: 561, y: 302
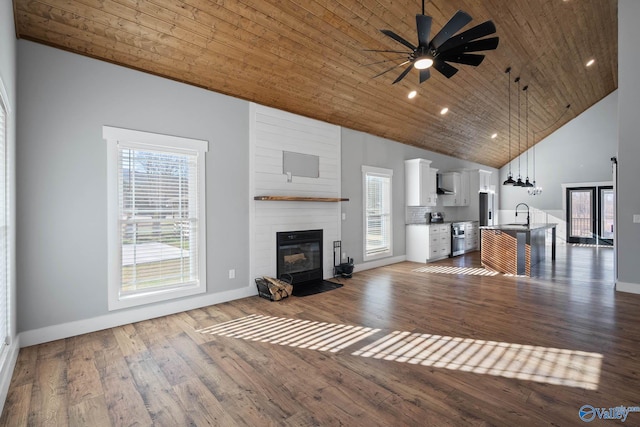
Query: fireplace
x: 299, y: 256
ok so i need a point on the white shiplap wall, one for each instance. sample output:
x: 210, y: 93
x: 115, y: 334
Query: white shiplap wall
x: 272, y: 132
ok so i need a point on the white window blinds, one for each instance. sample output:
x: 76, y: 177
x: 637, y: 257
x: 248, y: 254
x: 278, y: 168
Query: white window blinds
x: 157, y: 217
x: 158, y: 211
x: 377, y: 192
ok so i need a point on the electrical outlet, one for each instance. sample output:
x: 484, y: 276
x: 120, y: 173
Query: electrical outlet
x: 232, y: 273
x: 344, y: 216
x: 344, y: 256
x: 636, y: 218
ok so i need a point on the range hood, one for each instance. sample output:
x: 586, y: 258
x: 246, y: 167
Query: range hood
x: 439, y: 188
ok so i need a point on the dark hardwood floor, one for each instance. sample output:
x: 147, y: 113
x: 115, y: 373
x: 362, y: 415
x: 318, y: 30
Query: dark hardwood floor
x: 392, y: 347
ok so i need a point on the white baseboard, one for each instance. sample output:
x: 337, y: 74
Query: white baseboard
x: 633, y: 288
x: 379, y: 263
x: 7, y: 365
x: 79, y: 327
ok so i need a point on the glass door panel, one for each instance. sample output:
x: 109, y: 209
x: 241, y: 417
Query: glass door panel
x: 606, y: 203
x: 581, y: 215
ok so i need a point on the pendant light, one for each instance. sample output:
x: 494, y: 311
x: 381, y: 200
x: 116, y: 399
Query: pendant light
x: 509, y: 180
x: 519, y: 182
x: 534, y: 190
x: 527, y: 183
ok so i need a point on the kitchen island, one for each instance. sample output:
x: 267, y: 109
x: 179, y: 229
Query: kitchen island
x: 514, y: 248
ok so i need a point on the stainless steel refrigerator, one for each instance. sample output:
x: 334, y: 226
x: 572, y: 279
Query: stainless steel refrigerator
x: 487, y: 213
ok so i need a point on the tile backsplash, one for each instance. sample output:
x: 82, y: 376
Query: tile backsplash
x: 417, y: 214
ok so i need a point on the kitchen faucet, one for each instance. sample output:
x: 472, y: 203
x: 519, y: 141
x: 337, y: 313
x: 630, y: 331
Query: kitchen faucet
x: 528, y: 216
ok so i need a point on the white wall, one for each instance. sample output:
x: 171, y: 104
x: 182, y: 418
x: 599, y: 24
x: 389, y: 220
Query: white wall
x: 64, y: 100
x: 272, y: 132
x: 580, y: 151
x: 628, y: 203
x: 8, y: 82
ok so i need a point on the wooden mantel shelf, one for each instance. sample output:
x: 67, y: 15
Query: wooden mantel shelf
x: 299, y: 199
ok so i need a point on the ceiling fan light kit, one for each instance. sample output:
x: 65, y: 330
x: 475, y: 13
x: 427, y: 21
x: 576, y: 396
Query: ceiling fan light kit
x: 423, y: 63
x: 446, y: 46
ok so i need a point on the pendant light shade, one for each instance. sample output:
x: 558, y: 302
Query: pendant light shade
x: 509, y: 180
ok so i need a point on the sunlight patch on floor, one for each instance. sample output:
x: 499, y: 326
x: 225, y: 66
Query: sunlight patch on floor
x: 524, y: 362
x: 468, y: 271
x: 556, y: 366
x: 319, y: 336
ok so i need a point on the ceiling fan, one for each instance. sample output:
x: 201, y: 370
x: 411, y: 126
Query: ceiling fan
x: 444, y: 47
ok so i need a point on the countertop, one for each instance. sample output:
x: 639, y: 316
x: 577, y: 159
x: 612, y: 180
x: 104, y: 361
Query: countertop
x: 441, y: 223
x: 519, y: 227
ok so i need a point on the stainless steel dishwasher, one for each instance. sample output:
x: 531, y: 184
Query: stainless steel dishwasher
x: 457, y: 238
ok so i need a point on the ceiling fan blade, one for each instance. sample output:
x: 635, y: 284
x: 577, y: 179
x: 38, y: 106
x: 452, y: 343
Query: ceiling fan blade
x: 474, y: 33
x: 397, y: 38
x: 389, y: 69
x: 424, y: 75
x: 404, y: 73
x: 423, y: 22
x: 379, y: 62
x: 475, y: 46
x: 445, y: 69
x: 387, y: 51
x: 463, y: 58
x: 455, y: 24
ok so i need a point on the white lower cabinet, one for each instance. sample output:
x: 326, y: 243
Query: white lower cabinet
x: 471, y: 236
x: 428, y: 242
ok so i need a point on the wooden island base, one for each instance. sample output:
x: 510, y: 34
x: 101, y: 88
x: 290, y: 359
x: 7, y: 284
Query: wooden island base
x: 513, y: 249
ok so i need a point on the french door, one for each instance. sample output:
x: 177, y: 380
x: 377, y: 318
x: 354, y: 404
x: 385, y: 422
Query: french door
x: 590, y: 215
x: 606, y: 215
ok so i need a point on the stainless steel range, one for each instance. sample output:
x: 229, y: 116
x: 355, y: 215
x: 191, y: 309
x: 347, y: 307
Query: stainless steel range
x: 457, y: 238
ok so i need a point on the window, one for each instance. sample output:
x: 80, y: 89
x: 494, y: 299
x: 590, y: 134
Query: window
x: 156, y: 217
x: 377, y: 212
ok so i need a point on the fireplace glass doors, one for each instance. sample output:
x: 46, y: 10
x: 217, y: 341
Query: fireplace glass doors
x: 299, y: 256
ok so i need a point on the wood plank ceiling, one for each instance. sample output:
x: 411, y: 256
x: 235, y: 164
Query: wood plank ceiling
x: 307, y: 57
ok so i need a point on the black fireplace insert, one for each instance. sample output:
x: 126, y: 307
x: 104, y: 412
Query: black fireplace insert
x: 299, y: 255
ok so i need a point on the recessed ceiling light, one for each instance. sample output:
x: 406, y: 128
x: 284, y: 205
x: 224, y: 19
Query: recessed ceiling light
x: 590, y: 62
x: 444, y: 111
x: 494, y: 136
x: 412, y: 94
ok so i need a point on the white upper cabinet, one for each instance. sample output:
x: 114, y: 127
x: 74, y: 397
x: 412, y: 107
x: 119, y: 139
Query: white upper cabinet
x: 484, y: 180
x: 465, y: 187
x: 458, y: 182
x: 420, y: 183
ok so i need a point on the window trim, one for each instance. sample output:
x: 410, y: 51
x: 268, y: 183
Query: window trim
x: 147, y: 140
x: 7, y: 309
x: 387, y: 173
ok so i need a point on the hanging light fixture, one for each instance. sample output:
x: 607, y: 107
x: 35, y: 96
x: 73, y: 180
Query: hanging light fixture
x: 536, y: 189
x: 527, y: 183
x: 509, y: 180
x: 519, y: 182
